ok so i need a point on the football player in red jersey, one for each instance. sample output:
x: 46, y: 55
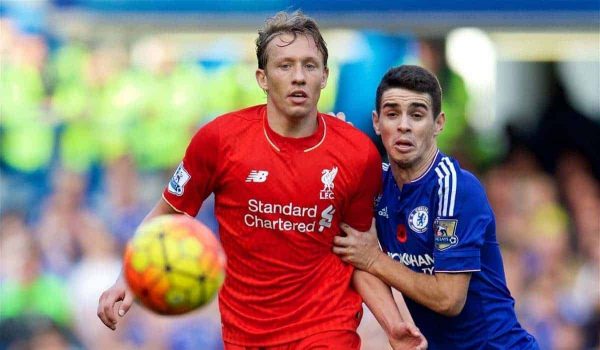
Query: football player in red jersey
x: 284, y: 177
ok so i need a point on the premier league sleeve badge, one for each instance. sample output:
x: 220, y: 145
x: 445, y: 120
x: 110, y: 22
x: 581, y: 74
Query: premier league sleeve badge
x: 445, y: 233
x: 178, y: 181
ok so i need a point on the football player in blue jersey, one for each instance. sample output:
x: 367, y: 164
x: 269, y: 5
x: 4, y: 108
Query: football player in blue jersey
x: 435, y: 224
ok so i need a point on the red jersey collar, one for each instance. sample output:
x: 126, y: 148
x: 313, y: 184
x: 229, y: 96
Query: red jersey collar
x: 303, y: 144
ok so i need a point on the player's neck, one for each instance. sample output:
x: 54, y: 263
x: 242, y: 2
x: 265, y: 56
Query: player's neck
x: 404, y: 175
x: 292, y: 126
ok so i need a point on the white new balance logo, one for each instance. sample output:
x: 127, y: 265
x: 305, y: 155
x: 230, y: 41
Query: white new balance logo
x: 257, y: 176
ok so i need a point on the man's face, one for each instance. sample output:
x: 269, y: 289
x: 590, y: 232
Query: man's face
x: 294, y: 76
x: 407, y: 127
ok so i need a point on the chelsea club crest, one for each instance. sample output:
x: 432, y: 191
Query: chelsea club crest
x: 418, y: 219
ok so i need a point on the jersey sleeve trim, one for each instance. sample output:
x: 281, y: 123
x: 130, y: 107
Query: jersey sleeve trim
x: 456, y: 271
x: 446, y: 173
x: 457, y: 261
x: 174, y: 208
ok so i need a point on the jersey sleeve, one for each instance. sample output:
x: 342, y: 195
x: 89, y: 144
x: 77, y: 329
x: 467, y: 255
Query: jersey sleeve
x: 359, y: 211
x: 194, y: 178
x: 462, y: 217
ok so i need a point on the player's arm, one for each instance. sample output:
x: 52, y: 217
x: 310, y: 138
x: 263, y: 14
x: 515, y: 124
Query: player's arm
x: 399, y: 327
x: 401, y: 331
x: 377, y: 295
x: 444, y: 293
x: 118, y: 296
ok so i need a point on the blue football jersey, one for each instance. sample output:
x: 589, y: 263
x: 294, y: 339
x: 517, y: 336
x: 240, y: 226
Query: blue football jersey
x: 442, y: 222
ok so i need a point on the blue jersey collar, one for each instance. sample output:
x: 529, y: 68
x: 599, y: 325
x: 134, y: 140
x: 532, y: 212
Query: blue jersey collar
x: 438, y: 157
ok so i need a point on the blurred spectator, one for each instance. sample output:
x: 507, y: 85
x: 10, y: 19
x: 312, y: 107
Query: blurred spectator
x: 432, y: 54
x: 553, y: 275
x: 36, y: 333
x: 119, y: 204
x: 200, y: 330
x: 581, y: 302
x: 60, y: 227
x: 26, y: 289
x: 88, y: 278
x: 26, y: 125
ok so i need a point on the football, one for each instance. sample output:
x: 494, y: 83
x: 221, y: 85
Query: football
x: 174, y: 264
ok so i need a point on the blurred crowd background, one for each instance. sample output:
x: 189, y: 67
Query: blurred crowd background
x: 98, y: 100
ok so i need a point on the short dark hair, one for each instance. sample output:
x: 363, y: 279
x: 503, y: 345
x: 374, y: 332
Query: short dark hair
x: 412, y: 78
x: 295, y: 23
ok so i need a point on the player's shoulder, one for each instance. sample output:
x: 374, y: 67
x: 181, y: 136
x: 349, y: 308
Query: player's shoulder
x: 462, y: 181
x: 343, y: 129
x: 233, y: 122
x: 469, y: 183
x: 457, y: 190
x: 469, y: 179
x: 385, y: 167
x: 248, y: 114
x: 386, y: 175
x: 357, y: 146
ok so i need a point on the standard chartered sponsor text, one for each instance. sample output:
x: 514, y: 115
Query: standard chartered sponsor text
x: 257, y: 207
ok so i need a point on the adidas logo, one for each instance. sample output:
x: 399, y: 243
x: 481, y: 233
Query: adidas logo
x: 383, y: 212
x: 257, y: 176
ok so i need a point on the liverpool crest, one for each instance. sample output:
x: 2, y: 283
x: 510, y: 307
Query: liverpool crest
x: 327, y: 178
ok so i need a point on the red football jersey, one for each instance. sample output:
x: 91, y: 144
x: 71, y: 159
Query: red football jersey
x: 279, y: 202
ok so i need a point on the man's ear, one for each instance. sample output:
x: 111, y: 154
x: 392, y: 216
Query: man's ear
x: 324, y: 78
x: 439, y: 122
x: 261, y: 79
x: 375, y: 118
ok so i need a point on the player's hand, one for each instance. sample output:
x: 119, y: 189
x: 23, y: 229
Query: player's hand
x: 340, y: 115
x: 116, y: 300
x: 360, y: 249
x: 407, y: 337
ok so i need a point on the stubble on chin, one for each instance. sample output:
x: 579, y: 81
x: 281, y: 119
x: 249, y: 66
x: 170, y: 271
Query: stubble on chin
x: 298, y: 114
x: 405, y: 164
